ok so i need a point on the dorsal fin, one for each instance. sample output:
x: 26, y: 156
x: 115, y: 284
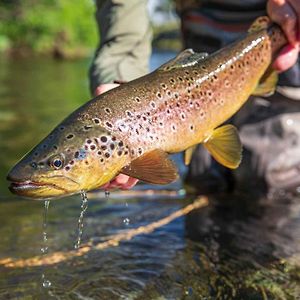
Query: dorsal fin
x: 184, y: 59
x: 260, y: 23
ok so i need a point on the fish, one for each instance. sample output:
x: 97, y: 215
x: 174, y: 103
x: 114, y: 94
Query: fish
x: 133, y: 128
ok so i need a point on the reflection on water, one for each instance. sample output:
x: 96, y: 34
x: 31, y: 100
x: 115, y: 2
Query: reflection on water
x: 242, y: 246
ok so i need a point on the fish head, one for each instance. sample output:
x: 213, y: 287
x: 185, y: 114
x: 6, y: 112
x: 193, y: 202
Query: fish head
x: 69, y: 160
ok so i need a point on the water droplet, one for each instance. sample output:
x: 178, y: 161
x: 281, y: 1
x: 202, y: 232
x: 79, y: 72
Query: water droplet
x: 84, y: 206
x: 289, y: 122
x: 44, y: 249
x: 107, y: 193
x: 126, y: 221
x: 46, y: 283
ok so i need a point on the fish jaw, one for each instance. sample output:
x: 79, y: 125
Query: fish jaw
x: 43, y: 188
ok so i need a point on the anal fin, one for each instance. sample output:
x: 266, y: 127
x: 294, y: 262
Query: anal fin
x: 152, y: 167
x: 225, y: 146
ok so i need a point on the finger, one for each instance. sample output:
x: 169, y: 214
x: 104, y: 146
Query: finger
x: 286, y: 58
x: 121, y: 179
x: 284, y: 15
x: 130, y: 183
x: 296, y: 6
x: 102, y: 88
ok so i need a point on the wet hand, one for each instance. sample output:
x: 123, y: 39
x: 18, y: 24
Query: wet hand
x: 286, y: 13
x: 121, y: 181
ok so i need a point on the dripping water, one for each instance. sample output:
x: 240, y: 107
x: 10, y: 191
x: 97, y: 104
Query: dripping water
x: 46, y: 283
x: 107, y: 193
x: 84, y: 206
x: 126, y: 221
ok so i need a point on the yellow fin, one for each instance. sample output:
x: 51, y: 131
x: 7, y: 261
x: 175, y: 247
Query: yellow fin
x: 152, y: 167
x: 267, y: 84
x: 188, y: 155
x: 260, y: 23
x: 225, y: 146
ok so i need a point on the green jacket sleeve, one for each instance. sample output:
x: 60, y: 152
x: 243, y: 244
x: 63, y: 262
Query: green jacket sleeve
x: 125, y: 46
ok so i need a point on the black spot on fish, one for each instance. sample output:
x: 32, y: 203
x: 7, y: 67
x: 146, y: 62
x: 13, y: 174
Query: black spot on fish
x: 112, y: 146
x: 152, y: 103
x: 107, y: 155
x: 103, y: 139
x: 114, y: 138
x: 99, y: 153
x: 102, y: 160
x: 140, y: 150
x: 71, y: 162
x: 108, y: 124
x: 61, y: 128
x: 76, y: 155
x: 192, y: 127
x: 121, y: 144
x: 67, y: 168
x: 137, y: 99
x: 103, y: 147
x: 92, y: 147
x: 55, y: 147
x: 35, y: 154
x: 120, y: 152
x: 107, y: 110
x: 87, y: 127
x: 86, y: 162
x: 129, y: 114
x: 172, y: 80
x: 163, y: 85
x: 70, y: 136
x: 96, y: 121
x: 89, y: 141
x: 126, y: 152
x: 33, y: 165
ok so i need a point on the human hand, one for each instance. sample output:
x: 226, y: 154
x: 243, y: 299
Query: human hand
x: 121, y: 181
x: 286, y: 13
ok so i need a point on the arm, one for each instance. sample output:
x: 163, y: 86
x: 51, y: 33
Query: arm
x: 286, y: 13
x: 125, y: 47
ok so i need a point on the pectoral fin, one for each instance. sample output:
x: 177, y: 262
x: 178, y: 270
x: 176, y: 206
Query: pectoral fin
x: 225, y: 146
x: 188, y: 155
x: 152, y: 167
x: 267, y: 84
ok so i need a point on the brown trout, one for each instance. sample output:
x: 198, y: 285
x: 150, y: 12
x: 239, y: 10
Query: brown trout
x: 133, y: 127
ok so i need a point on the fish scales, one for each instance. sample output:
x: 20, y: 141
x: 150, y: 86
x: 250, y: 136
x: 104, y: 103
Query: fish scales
x: 172, y: 109
x: 199, y: 96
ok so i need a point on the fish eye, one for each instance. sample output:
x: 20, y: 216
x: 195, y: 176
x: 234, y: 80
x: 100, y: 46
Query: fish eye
x: 56, y: 163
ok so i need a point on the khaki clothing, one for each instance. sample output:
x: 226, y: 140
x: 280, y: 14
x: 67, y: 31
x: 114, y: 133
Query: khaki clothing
x: 125, y: 41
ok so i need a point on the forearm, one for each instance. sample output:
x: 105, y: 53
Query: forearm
x: 125, y: 47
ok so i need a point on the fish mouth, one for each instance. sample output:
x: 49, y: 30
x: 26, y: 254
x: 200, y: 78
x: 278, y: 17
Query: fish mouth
x: 28, y: 185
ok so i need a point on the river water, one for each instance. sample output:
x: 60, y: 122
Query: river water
x: 239, y: 246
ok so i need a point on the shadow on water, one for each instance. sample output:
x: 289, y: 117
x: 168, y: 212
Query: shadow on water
x: 242, y: 246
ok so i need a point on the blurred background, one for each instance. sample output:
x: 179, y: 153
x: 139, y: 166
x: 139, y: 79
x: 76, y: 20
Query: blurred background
x: 242, y: 246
